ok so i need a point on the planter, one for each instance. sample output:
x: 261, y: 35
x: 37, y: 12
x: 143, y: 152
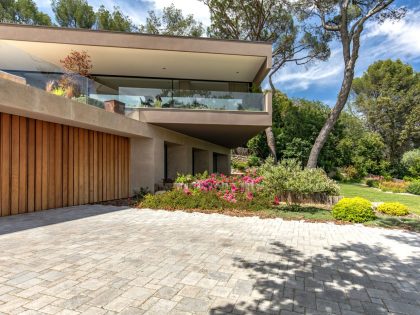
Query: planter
x: 315, y: 198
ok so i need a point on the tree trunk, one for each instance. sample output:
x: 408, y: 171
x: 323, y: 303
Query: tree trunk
x: 271, y: 141
x: 333, y: 117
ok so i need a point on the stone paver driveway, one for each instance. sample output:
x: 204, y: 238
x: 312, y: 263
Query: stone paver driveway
x: 107, y: 260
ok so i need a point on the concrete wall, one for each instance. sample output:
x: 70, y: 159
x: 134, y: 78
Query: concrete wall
x: 146, y: 140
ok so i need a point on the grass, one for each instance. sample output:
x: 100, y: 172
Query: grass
x: 375, y: 195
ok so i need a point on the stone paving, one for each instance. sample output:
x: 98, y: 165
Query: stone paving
x: 109, y: 260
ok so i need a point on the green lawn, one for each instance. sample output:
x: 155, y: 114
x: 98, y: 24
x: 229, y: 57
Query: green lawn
x: 372, y: 194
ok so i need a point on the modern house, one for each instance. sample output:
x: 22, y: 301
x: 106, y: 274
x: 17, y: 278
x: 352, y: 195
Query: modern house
x: 152, y: 107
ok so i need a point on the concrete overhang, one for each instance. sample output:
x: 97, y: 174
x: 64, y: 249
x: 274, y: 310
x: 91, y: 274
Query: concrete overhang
x: 226, y: 128
x: 134, y: 54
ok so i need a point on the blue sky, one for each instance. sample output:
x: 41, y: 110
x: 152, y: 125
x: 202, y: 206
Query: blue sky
x: 318, y: 81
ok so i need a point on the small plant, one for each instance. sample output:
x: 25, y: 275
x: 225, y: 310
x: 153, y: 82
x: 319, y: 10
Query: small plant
x: 372, y: 183
x: 414, y: 187
x: 393, y: 208
x: 353, y: 210
x: 254, y: 161
x: 393, y: 186
x: 184, y: 178
x: 139, y: 194
x: 78, y: 63
x: 239, y: 165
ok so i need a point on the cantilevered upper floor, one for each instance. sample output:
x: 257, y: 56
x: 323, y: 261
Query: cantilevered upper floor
x: 201, y: 87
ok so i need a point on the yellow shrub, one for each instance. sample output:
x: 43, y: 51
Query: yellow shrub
x: 393, y: 208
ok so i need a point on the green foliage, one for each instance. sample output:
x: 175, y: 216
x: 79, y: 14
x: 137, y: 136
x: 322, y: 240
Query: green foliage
x: 288, y: 176
x: 239, y: 165
x: 349, y: 174
x: 414, y: 187
x: 353, y: 210
x: 393, y: 186
x: 270, y: 21
x: 115, y: 21
x: 393, y: 208
x: 372, y: 183
x: 296, y: 124
x: 411, y: 161
x: 366, y: 153
x: 184, y: 178
x: 140, y: 193
x: 178, y: 199
x: 172, y: 22
x: 22, y: 12
x: 73, y: 13
x: 253, y: 161
x: 387, y: 95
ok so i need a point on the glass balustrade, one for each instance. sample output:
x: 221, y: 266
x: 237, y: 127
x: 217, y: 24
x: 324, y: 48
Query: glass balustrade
x: 91, y: 92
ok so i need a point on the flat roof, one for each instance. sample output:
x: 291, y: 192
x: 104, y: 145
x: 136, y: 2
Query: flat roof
x: 145, y: 54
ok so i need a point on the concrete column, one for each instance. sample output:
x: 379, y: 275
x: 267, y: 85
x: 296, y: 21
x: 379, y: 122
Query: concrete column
x: 203, y: 161
x: 179, y: 160
x: 223, y: 163
x: 146, y: 163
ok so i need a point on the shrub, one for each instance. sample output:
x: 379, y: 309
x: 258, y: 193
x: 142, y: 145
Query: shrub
x: 393, y: 186
x: 411, y: 161
x: 354, y: 210
x: 393, y: 208
x: 210, y: 200
x: 350, y: 174
x: 289, y: 177
x: 239, y: 165
x: 372, y: 182
x: 414, y: 187
x: 254, y: 161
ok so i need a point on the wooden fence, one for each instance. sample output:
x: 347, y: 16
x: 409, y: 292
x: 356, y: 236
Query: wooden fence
x: 45, y: 165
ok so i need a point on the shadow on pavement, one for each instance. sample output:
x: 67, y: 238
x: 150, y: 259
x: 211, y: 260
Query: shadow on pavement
x: 346, y: 279
x: 20, y: 222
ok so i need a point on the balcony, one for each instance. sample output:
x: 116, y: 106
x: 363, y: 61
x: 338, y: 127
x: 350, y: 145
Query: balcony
x: 204, y: 114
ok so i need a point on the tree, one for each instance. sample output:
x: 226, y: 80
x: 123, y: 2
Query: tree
x: 388, y: 95
x: 172, y: 22
x: 73, y: 13
x: 22, y: 12
x: 297, y: 122
x: 345, y: 20
x: 77, y: 62
x: 115, y: 21
x: 269, y: 20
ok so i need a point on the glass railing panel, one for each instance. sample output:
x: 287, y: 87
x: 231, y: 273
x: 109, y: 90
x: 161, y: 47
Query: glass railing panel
x: 90, y: 92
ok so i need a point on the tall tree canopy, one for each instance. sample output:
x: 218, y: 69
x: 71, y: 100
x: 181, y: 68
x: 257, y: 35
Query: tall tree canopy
x: 114, y: 21
x: 73, y: 13
x: 388, y: 95
x: 172, y: 22
x: 345, y: 20
x: 267, y: 20
x: 22, y: 12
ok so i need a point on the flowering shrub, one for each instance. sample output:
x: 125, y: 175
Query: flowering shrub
x: 393, y: 186
x: 230, y: 188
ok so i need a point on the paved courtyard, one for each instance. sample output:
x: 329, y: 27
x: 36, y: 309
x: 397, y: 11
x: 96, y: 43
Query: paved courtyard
x: 109, y: 260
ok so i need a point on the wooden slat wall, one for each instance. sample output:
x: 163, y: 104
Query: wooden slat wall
x: 45, y: 165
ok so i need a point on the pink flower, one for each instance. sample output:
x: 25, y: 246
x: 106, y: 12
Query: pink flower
x: 249, y: 196
x: 187, y: 191
x: 276, y: 200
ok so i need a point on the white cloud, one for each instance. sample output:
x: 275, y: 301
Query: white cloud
x: 293, y: 77
x: 380, y: 41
